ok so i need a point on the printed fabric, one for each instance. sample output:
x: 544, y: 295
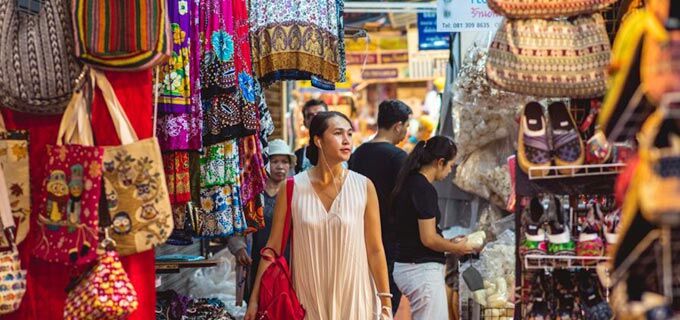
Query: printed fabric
x: 179, y: 117
x: 220, y: 164
x: 177, y: 176
x: 14, y: 161
x: 298, y: 40
x: 221, y: 214
x: 68, y: 218
x: 253, y: 174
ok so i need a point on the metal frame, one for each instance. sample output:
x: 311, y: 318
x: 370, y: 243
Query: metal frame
x: 390, y: 7
x: 576, y: 171
x: 549, y: 262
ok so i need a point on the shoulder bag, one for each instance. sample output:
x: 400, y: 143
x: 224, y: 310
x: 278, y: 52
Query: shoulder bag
x: 38, y: 71
x: 547, y: 9
x: 278, y: 300
x: 551, y: 58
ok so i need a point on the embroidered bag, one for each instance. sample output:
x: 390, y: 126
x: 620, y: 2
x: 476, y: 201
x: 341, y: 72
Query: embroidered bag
x: 14, y: 161
x: 12, y: 277
x: 104, y: 293
x: 547, y: 9
x: 546, y: 58
x: 122, y: 35
x: 136, y: 190
x: 38, y: 70
x: 68, y: 217
x: 278, y: 299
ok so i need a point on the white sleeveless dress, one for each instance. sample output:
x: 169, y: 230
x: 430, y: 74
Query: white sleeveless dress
x: 331, y: 274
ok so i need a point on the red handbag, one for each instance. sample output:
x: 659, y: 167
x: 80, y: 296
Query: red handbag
x: 277, y: 300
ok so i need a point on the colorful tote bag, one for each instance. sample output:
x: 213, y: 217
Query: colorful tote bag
x: 12, y: 277
x: 104, y: 293
x: 14, y: 161
x: 551, y: 58
x: 547, y: 9
x: 38, y: 71
x: 68, y: 217
x: 135, y: 186
x: 122, y: 35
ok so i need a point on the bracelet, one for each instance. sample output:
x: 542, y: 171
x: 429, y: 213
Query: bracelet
x: 385, y: 295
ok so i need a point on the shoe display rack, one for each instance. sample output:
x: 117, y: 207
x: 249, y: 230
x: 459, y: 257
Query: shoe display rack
x: 589, y: 170
x: 554, y: 262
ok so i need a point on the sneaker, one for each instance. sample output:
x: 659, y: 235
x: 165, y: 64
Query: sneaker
x: 567, y: 143
x: 590, y: 243
x: 611, y: 229
x: 533, y: 146
x: 559, y: 236
x: 534, y: 234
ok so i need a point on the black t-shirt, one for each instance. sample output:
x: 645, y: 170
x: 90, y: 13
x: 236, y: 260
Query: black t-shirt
x: 416, y: 201
x: 380, y: 162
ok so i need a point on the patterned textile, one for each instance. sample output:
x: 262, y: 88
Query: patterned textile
x: 567, y: 145
x: 208, y: 309
x: 179, y: 117
x: 297, y: 40
x: 536, y: 149
x: 171, y: 305
x: 546, y: 9
x: 253, y: 174
x: 593, y: 248
x: 221, y: 214
x: 560, y: 58
x: 254, y: 212
x: 39, y: 69
x: 177, y: 176
x: 220, y: 164
x: 105, y: 293
x: 659, y: 67
x: 14, y: 161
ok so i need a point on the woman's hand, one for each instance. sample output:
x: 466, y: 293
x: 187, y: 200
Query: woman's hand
x: 251, y: 313
x: 242, y: 257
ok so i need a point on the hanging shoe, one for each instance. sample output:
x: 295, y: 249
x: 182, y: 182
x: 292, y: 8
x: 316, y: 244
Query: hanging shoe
x: 533, y: 147
x: 538, y: 307
x: 590, y: 243
x: 565, y: 288
x: 534, y: 219
x: 611, y: 229
x: 567, y: 144
x: 559, y: 237
x: 592, y: 303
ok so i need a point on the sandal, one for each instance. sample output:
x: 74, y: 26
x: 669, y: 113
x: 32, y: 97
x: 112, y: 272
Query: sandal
x: 533, y: 148
x: 567, y: 143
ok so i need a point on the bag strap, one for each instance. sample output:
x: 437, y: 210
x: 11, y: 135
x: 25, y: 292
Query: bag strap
x: 124, y: 128
x: 288, y: 224
x: 75, y: 126
x: 3, y: 127
x: 5, y: 208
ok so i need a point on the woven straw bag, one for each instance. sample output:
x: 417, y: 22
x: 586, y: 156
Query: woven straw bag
x: 551, y: 58
x: 546, y: 9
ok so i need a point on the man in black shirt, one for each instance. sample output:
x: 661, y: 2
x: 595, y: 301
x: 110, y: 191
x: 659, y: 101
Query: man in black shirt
x: 309, y: 110
x: 380, y: 160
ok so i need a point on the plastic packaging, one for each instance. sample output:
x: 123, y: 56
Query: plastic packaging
x: 485, y: 173
x: 218, y: 282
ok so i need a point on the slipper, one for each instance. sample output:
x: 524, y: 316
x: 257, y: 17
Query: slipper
x: 533, y: 148
x: 567, y: 143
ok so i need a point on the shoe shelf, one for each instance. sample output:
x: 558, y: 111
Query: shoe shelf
x: 588, y: 170
x: 548, y: 262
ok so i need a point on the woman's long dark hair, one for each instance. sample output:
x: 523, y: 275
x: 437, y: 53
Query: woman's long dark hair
x: 424, y: 153
x: 317, y: 128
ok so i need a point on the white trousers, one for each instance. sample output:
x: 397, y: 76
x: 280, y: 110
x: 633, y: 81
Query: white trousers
x: 423, y: 285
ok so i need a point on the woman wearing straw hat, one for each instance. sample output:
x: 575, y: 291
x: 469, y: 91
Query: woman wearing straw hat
x: 281, y: 160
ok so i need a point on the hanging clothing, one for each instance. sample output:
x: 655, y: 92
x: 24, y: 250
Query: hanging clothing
x: 331, y: 274
x: 179, y: 118
x: 298, y: 40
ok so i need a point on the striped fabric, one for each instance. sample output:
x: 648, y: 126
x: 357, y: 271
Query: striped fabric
x: 122, y: 34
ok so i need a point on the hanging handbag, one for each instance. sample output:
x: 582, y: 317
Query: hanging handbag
x: 123, y: 35
x: 38, y: 70
x: 67, y: 215
x: 12, y: 277
x: 660, y: 64
x: 547, y: 9
x: 104, y: 292
x: 551, y: 58
x: 134, y: 181
x: 14, y: 161
x: 278, y: 300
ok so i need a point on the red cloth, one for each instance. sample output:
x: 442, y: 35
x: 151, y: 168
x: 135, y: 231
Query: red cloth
x: 44, y: 299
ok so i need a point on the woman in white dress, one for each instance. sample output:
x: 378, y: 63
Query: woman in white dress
x: 337, y: 257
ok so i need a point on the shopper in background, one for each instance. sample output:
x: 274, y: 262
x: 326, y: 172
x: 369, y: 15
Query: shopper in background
x: 380, y: 160
x: 419, y: 267
x: 309, y: 110
x: 337, y: 256
x: 281, y: 160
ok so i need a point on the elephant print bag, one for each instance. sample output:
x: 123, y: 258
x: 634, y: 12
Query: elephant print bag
x: 68, y: 214
x: 134, y: 181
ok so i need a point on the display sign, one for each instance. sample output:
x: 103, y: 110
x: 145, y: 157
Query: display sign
x: 386, y: 73
x: 466, y: 15
x: 428, y: 37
